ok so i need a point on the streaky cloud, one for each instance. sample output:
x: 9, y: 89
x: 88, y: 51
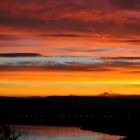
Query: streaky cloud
x: 20, y: 54
x: 64, y: 35
x: 121, y: 58
x: 70, y: 66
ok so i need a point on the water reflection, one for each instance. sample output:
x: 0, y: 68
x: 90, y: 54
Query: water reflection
x: 59, y: 133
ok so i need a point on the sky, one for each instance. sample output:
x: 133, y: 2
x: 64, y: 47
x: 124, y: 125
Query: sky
x: 69, y: 47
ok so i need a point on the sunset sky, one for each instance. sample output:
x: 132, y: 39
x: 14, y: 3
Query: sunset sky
x: 69, y: 47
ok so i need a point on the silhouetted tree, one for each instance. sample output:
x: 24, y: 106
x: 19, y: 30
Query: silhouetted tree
x: 7, y: 134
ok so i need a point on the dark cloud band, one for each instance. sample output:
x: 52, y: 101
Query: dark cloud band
x: 19, y: 55
x: 120, y: 58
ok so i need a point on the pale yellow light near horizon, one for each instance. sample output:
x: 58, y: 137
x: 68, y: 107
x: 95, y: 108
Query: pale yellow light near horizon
x: 41, y: 83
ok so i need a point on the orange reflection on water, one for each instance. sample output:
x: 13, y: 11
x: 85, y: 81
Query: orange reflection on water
x: 57, y: 132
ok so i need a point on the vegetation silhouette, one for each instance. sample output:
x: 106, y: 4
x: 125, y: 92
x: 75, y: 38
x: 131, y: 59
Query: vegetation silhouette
x: 7, y: 134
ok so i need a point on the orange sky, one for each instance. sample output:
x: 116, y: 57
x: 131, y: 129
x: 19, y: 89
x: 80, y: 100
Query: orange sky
x: 72, y: 47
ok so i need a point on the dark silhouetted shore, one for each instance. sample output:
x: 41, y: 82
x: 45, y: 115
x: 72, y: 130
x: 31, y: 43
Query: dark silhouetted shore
x: 115, y: 115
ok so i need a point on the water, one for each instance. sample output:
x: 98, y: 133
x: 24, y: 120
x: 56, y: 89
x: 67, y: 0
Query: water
x: 58, y: 133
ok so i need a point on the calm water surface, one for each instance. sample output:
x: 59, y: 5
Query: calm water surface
x: 59, y: 133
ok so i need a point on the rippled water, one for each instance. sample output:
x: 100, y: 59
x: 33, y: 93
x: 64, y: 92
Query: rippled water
x: 58, y: 133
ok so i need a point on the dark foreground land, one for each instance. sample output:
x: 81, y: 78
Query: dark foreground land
x: 114, y: 115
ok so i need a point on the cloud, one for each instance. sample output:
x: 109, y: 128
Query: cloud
x: 134, y: 41
x: 19, y: 55
x: 121, y: 58
x: 125, y: 62
x: 70, y: 25
x: 105, y: 49
x: 108, y: 17
x: 71, y: 66
x: 7, y: 37
x: 135, y: 71
x: 126, y: 4
x: 53, y: 66
x: 63, y: 35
